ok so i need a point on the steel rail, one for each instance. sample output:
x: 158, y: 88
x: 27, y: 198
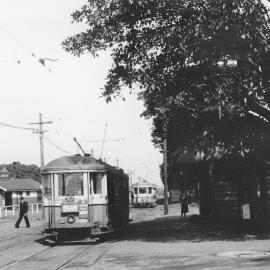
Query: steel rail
x: 24, y: 259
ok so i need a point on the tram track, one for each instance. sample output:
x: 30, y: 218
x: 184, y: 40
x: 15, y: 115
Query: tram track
x: 79, y: 254
x: 23, y: 263
x: 14, y: 263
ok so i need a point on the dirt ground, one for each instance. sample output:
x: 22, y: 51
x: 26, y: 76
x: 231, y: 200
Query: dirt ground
x: 151, y: 241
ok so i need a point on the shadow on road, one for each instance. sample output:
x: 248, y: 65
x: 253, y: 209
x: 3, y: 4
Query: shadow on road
x: 194, y: 229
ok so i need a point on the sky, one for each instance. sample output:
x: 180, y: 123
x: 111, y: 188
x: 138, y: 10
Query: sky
x: 66, y: 91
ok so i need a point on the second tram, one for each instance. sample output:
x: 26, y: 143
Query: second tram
x: 145, y: 194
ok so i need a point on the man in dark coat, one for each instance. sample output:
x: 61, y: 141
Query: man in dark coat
x: 23, y: 213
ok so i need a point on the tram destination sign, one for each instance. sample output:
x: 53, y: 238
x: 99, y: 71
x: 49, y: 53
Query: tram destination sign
x: 68, y: 208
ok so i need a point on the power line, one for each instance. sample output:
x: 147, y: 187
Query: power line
x: 10, y: 61
x: 18, y: 127
x: 40, y: 60
x: 56, y: 146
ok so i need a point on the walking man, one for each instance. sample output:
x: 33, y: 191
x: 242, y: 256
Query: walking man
x: 23, y: 213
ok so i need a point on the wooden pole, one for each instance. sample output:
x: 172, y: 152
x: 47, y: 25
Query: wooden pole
x: 165, y: 178
x: 41, y: 137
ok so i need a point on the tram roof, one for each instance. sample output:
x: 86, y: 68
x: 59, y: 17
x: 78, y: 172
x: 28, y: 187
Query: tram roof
x: 79, y: 163
x: 144, y: 184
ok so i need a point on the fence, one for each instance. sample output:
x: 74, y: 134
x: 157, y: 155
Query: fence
x: 12, y: 210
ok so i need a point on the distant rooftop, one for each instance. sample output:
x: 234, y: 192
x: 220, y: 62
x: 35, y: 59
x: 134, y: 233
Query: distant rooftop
x: 20, y: 185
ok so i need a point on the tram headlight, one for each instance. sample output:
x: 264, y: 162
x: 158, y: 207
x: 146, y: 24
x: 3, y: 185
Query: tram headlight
x: 70, y: 219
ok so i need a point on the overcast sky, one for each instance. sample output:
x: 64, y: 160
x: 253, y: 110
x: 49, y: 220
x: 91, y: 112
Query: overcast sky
x: 69, y: 95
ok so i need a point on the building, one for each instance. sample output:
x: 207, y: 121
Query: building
x: 4, y: 174
x: 13, y: 189
x: 228, y: 188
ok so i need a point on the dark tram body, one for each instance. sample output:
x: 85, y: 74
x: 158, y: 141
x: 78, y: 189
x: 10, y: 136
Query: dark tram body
x: 82, y: 193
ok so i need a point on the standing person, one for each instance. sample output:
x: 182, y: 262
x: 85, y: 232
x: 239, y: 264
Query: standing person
x: 132, y: 197
x: 184, y: 205
x: 23, y: 213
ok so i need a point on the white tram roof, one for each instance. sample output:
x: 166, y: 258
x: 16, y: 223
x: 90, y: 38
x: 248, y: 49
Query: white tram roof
x: 79, y: 163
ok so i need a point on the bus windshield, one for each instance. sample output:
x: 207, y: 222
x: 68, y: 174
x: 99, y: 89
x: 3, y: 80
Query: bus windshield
x: 70, y: 184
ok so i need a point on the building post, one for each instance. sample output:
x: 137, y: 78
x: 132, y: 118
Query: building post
x: 165, y: 177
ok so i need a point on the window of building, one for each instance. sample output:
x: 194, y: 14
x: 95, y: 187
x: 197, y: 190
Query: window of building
x: 27, y: 193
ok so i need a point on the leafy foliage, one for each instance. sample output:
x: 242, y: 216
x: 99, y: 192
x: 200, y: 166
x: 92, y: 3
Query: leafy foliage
x: 202, y: 66
x: 21, y: 171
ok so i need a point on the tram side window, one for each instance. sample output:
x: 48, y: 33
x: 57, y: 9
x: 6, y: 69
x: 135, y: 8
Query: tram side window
x: 70, y: 184
x: 96, y: 183
x: 150, y: 190
x: 142, y: 190
x: 136, y: 190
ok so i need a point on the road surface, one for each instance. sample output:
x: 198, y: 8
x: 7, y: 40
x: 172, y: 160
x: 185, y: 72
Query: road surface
x: 151, y: 241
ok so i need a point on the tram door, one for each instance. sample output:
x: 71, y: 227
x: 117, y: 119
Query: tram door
x: 47, y: 198
x: 98, y: 208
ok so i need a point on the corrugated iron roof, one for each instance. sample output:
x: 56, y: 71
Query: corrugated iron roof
x: 20, y: 185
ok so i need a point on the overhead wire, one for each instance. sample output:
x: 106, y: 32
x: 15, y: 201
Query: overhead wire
x: 10, y: 61
x: 40, y: 60
x: 56, y: 146
x: 35, y: 131
x: 14, y: 126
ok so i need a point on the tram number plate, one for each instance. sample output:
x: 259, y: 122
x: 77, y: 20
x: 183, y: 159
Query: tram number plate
x: 69, y: 208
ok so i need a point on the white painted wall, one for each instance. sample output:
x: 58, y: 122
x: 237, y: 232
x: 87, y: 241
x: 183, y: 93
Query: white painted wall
x: 33, y: 194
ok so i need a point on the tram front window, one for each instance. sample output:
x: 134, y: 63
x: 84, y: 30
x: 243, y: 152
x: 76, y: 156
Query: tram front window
x: 96, y: 183
x: 142, y: 190
x: 70, y: 184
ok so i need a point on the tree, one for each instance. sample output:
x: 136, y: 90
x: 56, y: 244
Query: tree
x: 22, y: 171
x: 202, y: 67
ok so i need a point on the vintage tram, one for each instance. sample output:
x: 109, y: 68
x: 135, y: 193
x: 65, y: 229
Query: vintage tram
x: 81, y: 193
x: 145, y: 194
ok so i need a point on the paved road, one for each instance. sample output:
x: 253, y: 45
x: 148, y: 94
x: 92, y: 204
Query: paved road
x: 151, y: 241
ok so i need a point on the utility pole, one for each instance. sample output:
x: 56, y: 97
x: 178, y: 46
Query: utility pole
x: 165, y: 177
x: 40, y: 131
x: 130, y: 174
